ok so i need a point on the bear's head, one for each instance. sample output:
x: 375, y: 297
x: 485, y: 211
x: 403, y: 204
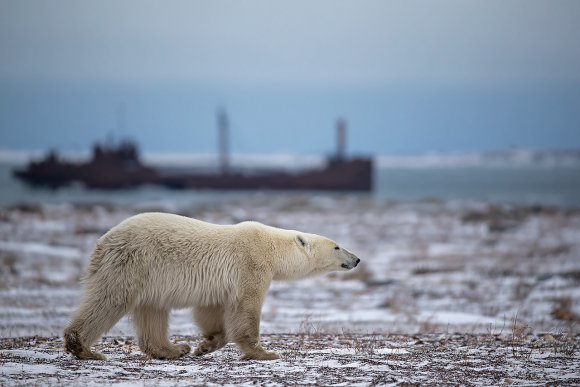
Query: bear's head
x: 324, y: 255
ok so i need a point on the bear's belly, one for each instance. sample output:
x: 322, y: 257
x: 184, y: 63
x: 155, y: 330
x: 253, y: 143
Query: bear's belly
x: 176, y: 292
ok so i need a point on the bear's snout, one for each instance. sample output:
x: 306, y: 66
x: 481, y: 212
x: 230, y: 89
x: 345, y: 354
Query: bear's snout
x: 352, y: 261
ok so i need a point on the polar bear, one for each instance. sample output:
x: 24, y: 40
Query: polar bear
x: 154, y: 262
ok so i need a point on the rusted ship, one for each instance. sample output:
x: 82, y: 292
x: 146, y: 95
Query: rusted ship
x: 110, y: 167
x: 119, y: 166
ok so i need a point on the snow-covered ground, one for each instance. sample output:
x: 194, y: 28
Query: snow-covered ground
x: 307, y: 359
x: 429, y: 269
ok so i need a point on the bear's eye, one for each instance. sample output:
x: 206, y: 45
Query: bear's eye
x: 337, y: 248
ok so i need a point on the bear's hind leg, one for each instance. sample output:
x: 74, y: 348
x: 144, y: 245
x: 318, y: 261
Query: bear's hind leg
x: 151, y: 324
x: 89, y: 323
x: 210, y: 319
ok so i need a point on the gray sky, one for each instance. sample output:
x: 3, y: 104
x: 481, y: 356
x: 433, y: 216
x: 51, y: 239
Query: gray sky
x: 287, y: 42
x: 409, y: 76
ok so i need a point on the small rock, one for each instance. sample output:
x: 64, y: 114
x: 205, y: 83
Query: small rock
x: 548, y: 337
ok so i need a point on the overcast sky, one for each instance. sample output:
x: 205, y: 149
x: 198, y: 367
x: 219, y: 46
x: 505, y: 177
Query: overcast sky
x: 386, y: 45
x: 354, y: 42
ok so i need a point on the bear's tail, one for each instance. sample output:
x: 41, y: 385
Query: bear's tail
x: 95, y: 262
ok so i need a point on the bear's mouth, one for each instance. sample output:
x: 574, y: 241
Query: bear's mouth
x: 351, y: 265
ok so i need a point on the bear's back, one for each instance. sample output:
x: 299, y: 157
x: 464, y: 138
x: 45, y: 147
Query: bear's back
x: 171, y: 255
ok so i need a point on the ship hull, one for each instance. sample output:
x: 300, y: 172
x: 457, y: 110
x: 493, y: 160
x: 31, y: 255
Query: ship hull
x: 353, y: 175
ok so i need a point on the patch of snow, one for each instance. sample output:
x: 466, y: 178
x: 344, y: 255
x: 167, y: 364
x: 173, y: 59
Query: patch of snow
x: 455, y: 318
x: 30, y: 354
x: 27, y: 369
x: 39, y: 248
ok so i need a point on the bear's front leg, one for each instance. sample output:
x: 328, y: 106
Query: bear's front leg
x: 243, y: 326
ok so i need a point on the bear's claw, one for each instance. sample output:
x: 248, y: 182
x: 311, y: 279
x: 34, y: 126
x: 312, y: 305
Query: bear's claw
x: 210, y: 344
x: 203, y: 349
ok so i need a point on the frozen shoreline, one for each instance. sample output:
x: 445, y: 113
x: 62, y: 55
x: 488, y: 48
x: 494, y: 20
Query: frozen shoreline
x: 449, y: 269
x: 426, y: 266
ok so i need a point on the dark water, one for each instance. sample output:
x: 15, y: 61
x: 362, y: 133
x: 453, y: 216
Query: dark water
x: 520, y: 185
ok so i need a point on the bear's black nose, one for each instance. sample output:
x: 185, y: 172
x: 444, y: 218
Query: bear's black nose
x: 357, y: 261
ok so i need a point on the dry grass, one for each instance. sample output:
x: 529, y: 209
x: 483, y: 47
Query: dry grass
x: 520, y: 333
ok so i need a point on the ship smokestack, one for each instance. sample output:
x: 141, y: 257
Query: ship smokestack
x: 340, y: 139
x: 223, y: 143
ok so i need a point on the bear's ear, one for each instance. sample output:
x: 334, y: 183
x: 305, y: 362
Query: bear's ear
x: 301, y: 240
